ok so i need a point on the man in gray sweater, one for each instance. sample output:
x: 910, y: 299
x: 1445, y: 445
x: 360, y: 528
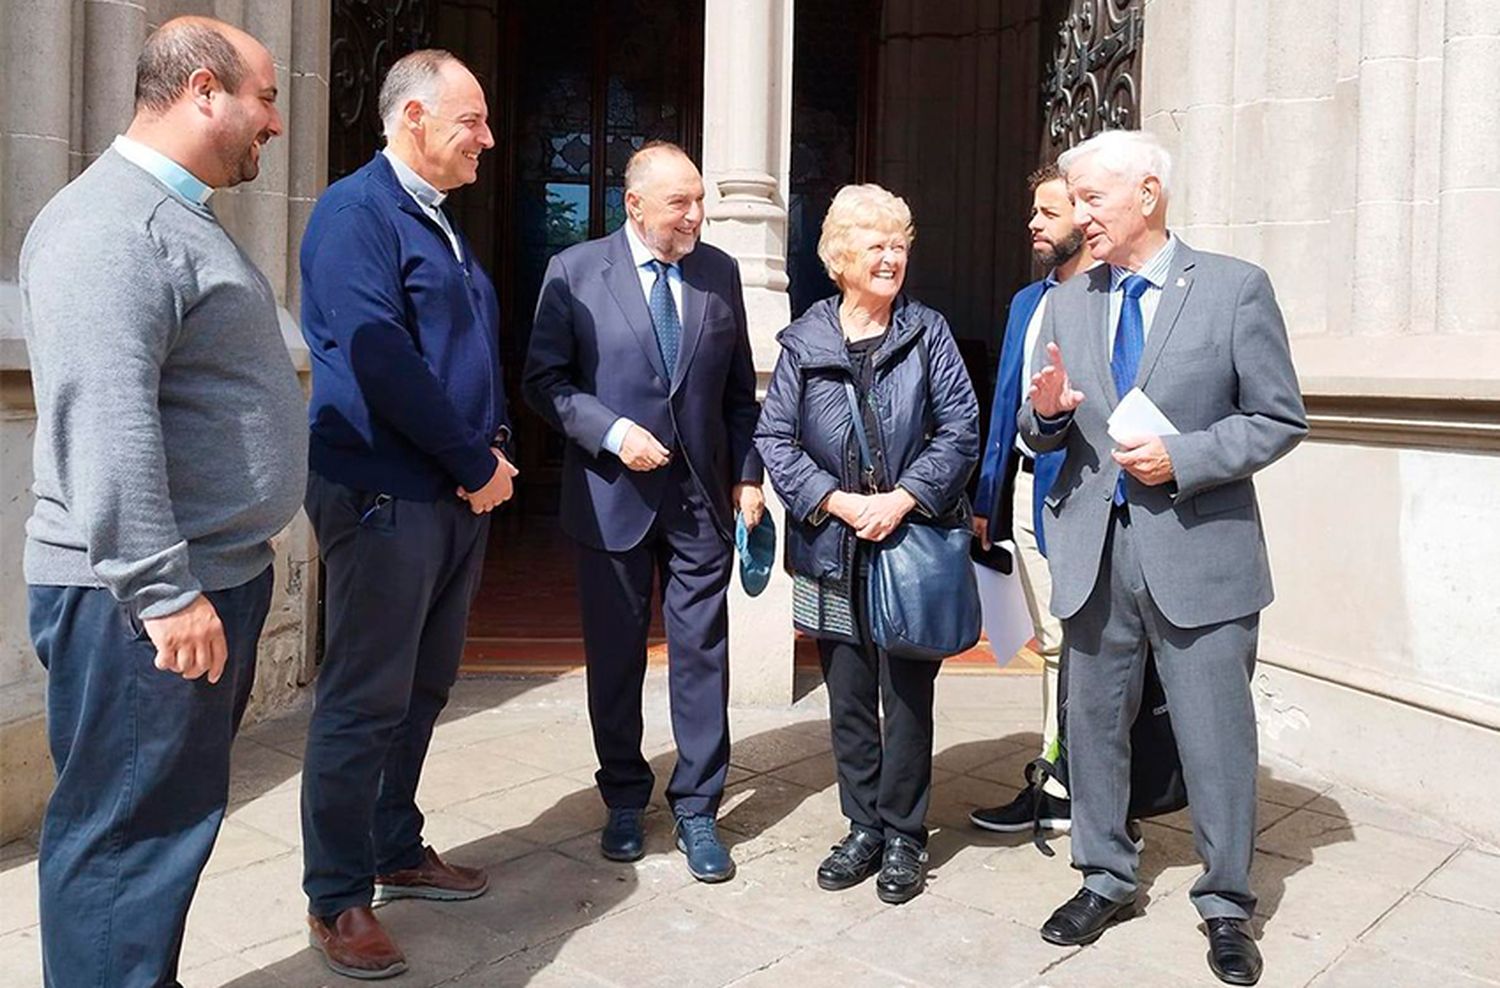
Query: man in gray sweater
x: 170, y: 448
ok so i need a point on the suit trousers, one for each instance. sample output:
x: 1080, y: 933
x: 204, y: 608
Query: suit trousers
x: 685, y: 550
x: 142, y: 761
x: 1205, y: 673
x: 884, y: 766
x: 399, y: 577
x: 1036, y: 585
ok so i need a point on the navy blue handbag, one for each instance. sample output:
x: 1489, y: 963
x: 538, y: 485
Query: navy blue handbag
x: 924, y: 601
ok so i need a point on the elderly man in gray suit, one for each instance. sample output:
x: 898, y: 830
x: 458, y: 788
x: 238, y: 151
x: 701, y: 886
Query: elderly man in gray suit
x: 1155, y: 540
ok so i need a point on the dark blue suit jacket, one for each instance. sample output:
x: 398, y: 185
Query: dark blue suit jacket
x: 593, y: 357
x: 1001, y: 448
x: 407, y: 395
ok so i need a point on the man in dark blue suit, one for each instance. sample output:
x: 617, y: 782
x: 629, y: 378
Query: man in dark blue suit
x: 640, y: 356
x: 1013, y: 480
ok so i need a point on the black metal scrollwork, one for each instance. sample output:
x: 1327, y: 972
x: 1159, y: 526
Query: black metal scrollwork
x: 367, y: 36
x: 1091, y: 82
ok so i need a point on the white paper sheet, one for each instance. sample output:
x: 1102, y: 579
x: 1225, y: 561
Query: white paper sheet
x: 1137, y: 415
x: 1007, y: 621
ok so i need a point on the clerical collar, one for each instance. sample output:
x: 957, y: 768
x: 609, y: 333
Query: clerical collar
x: 418, y: 187
x: 183, y: 183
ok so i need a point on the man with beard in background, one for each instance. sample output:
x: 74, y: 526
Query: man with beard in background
x: 1013, y: 481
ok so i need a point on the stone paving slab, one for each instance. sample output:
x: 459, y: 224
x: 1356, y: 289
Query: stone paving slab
x: 1354, y: 892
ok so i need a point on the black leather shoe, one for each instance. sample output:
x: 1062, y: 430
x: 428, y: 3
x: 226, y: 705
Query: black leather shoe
x: 1082, y: 918
x: 1233, y: 956
x: 902, y: 870
x: 624, y: 837
x: 854, y: 859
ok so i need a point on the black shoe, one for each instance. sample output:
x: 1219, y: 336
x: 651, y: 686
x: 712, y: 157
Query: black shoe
x: 1082, y: 918
x: 624, y: 837
x: 902, y: 869
x: 854, y: 859
x: 1233, y: 956
x: 1016, y: 816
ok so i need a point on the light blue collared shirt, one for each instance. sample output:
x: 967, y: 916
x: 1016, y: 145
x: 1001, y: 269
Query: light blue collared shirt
x: 641, y: 254
x: 178, y: 180
x: 1155, y: 272
x: 425, y: 195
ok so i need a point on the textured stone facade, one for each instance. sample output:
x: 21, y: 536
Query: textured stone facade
x: 1352, y: 147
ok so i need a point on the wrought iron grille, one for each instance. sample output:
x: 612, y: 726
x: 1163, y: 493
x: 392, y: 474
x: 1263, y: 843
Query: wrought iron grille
x: 1091, y: 82
x: 367, y: 36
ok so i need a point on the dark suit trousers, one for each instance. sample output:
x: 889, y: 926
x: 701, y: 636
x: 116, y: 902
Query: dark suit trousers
x: 142, y: 760
x: 884, y: 770
x: 693, y: 561
x: 1205, y: 673
x: 400, y: 576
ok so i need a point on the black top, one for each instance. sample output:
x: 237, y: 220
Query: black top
x: 862, y: 357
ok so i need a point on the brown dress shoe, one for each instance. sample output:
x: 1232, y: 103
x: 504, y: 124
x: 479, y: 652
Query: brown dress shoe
x: 432, y: 879
x: 355, y: 945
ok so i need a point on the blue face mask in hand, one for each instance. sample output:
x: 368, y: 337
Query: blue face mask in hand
x: 757, y: 552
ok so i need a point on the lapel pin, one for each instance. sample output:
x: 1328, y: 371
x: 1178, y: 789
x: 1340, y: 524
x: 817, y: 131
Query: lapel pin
x: 1181, y: 282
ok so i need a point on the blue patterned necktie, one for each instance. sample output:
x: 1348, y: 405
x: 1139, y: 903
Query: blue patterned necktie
x: 1130, y: 341
x: 664, y: 317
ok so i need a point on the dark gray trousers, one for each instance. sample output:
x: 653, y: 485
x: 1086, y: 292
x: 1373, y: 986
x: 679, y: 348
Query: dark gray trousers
x: 1205, y: 673
x: 400, y: 576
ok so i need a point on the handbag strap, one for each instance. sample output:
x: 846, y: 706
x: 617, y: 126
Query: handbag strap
x: 866, y: 458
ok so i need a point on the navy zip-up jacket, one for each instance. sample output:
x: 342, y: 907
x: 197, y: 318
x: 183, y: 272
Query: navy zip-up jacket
x: 928, y: 426
x: 407, y: 394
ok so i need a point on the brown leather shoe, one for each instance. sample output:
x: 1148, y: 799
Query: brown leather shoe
x: 355, y: 945
x: 432, y: 879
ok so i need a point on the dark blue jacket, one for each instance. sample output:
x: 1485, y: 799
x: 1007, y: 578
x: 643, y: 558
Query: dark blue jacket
x: 407, y: 395
x: 593, y: 357
x: 928, y: 416
x: 1001, y: 449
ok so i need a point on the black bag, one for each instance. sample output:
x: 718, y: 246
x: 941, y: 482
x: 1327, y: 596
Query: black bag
x: 924, y: 600
x: 1156, y: 783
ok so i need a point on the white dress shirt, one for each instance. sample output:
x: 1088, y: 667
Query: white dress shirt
x: 641, y: 254
x: 1028, y: 354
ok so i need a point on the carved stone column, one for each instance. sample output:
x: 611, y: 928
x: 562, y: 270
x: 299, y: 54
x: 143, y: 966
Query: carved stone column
x: 747, y: 133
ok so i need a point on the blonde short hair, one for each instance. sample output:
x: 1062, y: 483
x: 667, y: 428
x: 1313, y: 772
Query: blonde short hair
x: 860, y: 207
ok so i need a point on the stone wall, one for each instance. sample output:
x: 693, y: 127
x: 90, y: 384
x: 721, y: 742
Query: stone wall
x: 1352, y: 147
x: 67, y: 73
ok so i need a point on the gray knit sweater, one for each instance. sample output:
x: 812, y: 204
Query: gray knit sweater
x: 171, y: 439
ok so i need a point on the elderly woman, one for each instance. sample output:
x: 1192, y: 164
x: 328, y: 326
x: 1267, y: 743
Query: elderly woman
x: 919, y: 413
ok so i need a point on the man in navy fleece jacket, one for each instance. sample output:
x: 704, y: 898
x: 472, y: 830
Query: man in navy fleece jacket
x: 407, y: 460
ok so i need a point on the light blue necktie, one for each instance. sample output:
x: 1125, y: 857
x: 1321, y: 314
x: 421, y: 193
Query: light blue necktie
x: 1130, y: 341
x: 664, y: 317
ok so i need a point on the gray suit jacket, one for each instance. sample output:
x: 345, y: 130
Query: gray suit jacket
x: 1217, y: 364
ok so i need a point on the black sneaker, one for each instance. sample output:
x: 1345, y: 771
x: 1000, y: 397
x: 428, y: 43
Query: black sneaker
x: 854, y: 859
x: 1016, y: 816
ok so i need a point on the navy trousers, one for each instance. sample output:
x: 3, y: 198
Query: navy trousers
x: 693, y: 562
x: 142, y: 760
x: 399, y: 577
